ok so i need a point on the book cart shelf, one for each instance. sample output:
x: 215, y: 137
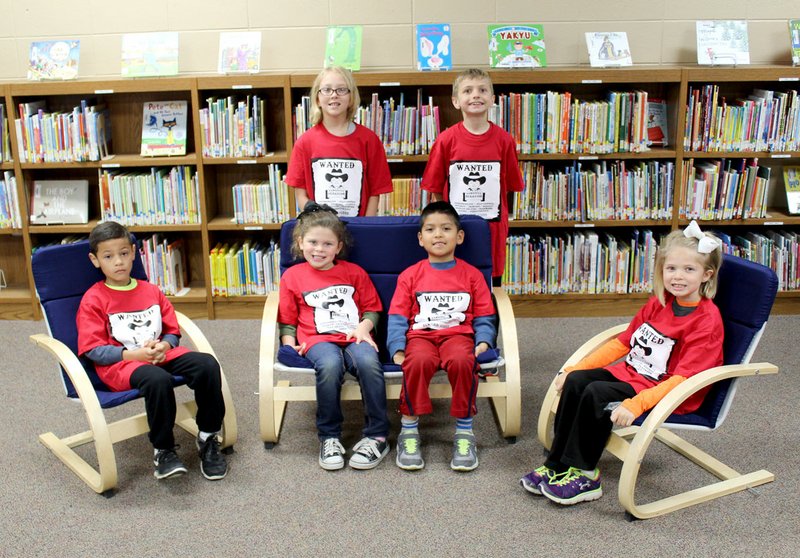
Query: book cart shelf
x: 282, y: 92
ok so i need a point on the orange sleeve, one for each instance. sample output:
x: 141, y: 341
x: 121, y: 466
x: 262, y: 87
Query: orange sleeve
x: 649, y: 398
x: 602, y: 356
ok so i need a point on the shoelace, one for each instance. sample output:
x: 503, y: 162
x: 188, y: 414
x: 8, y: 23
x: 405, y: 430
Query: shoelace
x: 210, y: 448
x: 332, y: 447
x: 545, y: 472
x: 567, y: 476
x: 162, y: 455
x: 463, y: 446
x: 410, y: 445
x: 369, y: 447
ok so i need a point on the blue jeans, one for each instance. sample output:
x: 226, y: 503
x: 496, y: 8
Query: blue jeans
x: 331, y: 361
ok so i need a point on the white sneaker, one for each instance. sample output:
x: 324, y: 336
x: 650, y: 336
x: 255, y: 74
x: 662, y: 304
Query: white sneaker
x: 331, y: 454
x: 368, y: 453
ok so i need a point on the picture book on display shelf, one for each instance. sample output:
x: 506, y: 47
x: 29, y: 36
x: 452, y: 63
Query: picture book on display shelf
x: 722, y: 42
x: 517, y: 46
x: 149, y: 54
x: 164, y: 128
x: 794, y: 37
x: 791, y: 181
x: 343, y: 47
x: 60, y: 202
x: 608, y: 49
x: 239, y: 52
x: 433, y: 47
x: 54, y: 59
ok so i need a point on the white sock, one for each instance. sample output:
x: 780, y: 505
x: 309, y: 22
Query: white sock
x: 205, y: 435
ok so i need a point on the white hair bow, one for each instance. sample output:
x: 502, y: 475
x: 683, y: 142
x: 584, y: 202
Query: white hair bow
x: 706, y: 244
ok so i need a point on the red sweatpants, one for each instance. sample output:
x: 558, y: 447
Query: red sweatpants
x: 424, y: 356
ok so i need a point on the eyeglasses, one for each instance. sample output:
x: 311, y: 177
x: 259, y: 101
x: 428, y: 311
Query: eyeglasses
x: 328, y: 91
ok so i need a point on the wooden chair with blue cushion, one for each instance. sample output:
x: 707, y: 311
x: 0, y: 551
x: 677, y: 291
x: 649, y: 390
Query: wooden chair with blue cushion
x: 62, y: 274
x: 745, y: 294
x: 384, y: 247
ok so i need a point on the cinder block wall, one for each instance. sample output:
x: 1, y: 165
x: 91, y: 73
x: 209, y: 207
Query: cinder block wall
x: 293, y: 31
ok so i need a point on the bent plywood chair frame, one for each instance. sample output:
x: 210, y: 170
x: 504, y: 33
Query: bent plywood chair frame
x: 103, y: 478
x: 630, y: 444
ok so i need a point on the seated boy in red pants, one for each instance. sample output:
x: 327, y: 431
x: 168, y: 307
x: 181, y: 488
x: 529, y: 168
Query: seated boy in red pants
x: 449, y: 308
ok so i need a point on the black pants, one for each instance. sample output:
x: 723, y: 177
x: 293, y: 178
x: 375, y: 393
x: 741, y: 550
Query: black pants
x: 582, y: 425
x: 202, y: 374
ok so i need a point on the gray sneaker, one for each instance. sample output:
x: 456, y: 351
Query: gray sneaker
x: 409, y: 452
x: 465, y: 452
x: 331, y: 454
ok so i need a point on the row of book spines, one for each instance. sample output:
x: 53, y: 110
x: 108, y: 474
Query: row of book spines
x: 241, y: 269
x: 10, y: 216
x: 261, y: 201
x: 406, y: 131
x: 233, y: 128
x: 165, y: 263
x: 589, y: 263
x: 5, y: 142
x: 80, y: 135
x: 161, y: 197
x: 554, y: 122
x: 765, y: 121
x: 776, y: 249
x: 618, y: 190
x: 724, y: 189
x: 406, y: 198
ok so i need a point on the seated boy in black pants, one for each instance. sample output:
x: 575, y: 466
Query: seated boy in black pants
x: 129, y: 330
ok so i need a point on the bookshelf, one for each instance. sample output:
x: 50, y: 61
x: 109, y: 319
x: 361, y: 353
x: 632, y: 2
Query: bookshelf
x: 280, y: 93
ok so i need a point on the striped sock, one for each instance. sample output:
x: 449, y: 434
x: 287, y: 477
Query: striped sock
x: 409, y: 425
x: 464, y: 425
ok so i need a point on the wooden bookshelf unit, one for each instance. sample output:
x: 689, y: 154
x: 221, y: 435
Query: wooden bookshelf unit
x: 124, y: 98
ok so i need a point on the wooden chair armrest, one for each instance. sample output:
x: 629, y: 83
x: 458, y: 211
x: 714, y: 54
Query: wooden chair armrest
x: 267, y: 352
x: 194, y: 334
x: 507, y: 331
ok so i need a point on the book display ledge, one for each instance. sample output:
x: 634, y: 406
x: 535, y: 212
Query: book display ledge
x: 121, y: 102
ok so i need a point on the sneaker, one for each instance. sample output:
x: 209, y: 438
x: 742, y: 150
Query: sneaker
x: 465, y: 452
x: 212, y: 462
x: 331, y: 454
x: 532, y: 480
x: 409, y: 451
x: 168, y: 464
x: 572, y: 487
x: 368, y: 453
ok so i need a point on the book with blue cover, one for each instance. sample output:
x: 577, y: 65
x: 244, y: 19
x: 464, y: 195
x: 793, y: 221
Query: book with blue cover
x: 149, y: 54
x: 434, y: 51
x: 54, y: 59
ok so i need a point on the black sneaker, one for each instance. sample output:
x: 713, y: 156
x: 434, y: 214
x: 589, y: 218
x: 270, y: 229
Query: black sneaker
x: 368, y: 453
x: 212, y: 462
x: 168, y: 464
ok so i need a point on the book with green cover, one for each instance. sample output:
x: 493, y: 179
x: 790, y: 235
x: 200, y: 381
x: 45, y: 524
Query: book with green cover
x: 517, y: 46
x: 149, y: 54
x: 343, y: 47
x: 794, y: 36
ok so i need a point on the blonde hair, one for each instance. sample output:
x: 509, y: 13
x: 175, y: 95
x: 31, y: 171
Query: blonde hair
x: 710, y: 261
x: 350, y: 82
x: 472, y: 73
x: 319, y: 216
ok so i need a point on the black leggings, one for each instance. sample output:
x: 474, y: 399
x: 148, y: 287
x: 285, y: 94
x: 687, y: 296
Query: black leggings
x: 582, y: 424
x: 202, y: 374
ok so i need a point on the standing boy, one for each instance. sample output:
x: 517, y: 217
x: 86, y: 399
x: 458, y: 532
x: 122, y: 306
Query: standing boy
x: 129, y: 330
x: 447, y: 304
x: 473, y: 164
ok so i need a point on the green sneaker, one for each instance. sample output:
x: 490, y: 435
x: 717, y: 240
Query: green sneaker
x: 409, y: 451
x: 465, y: 452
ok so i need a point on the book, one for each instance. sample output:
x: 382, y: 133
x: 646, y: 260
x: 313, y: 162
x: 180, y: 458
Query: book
x: 54, y: 59
x: 343, y: 46
x: 794, y: 37
x: 791, y: 181
x: 722, y: 42
x: 657, y: 122
x: 149, y: 54
x: 60, y: 202
x: 433, y: 47
x: 517, y: 46
x: 239, y: 52
x: 608, y: 49
x: 164, y: 128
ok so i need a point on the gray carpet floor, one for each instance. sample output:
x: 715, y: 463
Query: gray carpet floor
x: 280, y: 503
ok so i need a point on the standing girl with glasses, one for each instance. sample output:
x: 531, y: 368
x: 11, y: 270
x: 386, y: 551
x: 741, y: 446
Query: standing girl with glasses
x: 338, y: 162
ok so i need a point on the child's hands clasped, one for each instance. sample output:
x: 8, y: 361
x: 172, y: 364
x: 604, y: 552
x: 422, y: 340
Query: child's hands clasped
x: 622, y: 416
x: 153, y: 352
x: 361, y: 333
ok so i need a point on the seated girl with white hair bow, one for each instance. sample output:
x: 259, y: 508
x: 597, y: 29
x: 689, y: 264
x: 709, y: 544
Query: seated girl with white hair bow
x: 675, y: 335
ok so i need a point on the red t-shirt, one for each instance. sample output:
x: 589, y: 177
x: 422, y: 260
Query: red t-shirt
x: 663, y: 345
x: 326, y: 305
x: 342, y: 172
x: 475, y: 173
x: 124, y: 318
x: 441, y: 302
